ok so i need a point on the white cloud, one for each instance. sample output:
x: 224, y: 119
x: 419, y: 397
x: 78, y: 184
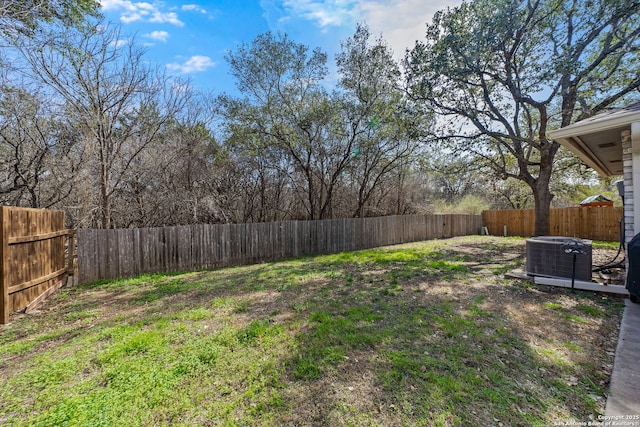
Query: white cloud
x: 119, y: 43
x: 401, y: 22
x: 193, y: 8
x: 161, y: 36
x: 194, y: 64
x: 326, y: 13
x: 131, y: 17
x: 131, y: 11
x: 108, y: 5
x: 166, y: 17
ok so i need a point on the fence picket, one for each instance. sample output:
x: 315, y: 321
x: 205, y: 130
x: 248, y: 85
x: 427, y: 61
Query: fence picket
x: 595, y: 223
x: 109, y: 254
x: 32, y: 257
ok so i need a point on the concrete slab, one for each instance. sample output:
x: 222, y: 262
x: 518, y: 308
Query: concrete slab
x: 624, y: 390
x: 580, y: 285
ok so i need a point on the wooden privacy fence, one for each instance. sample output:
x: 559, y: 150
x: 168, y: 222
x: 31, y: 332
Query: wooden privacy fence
x: 595, y: 223
x: 109, y: 254
x: 33, y: 259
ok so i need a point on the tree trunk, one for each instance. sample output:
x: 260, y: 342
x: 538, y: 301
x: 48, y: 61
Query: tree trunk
x: 542, y: 197
x: 105, y: 202
x: 541, y: 192
x: 106, y: 211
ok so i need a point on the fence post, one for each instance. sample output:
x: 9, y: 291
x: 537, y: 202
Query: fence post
x: 4, y: 265
x: 71, y: 252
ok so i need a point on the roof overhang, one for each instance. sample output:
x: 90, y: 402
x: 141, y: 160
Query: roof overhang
x: 597, y: 140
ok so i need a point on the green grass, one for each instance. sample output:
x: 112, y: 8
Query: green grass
x: 599, y: 244
x: 418, y: 334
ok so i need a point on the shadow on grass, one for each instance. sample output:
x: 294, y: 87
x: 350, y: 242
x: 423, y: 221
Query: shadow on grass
x: 404, y: 336
x: 481, y: 355
x: 440, y: 361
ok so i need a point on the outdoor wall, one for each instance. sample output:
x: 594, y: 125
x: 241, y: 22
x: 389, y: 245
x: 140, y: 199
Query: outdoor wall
x: 627, y: 160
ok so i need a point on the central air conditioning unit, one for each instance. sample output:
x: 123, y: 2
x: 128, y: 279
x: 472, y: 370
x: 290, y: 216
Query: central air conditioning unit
x: 546, y: 256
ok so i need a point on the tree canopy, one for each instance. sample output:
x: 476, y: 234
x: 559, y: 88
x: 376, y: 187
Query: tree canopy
x: 88, y: 126
x: 501, y: 73
x: 23, y: 16
x: 330, y: 148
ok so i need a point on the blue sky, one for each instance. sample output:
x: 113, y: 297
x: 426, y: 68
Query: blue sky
x: 191, y: 37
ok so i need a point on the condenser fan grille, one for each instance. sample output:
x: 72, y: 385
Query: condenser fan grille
x: 546, y: 256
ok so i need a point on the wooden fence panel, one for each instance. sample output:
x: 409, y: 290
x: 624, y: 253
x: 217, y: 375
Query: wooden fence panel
x: 110, y: 254
x: 34, y: 257
x: 595, y: 223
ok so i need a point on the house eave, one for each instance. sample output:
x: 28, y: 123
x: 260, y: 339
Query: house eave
x: 585, y: 127
x: 577, y: 147
x: 583, y: 138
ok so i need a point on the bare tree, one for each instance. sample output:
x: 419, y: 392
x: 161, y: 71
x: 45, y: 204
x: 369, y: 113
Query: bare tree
x: 119, y: 103
x: 38, y: 155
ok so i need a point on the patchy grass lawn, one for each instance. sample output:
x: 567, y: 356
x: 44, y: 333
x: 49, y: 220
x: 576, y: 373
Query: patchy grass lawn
x: 420, y: 334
